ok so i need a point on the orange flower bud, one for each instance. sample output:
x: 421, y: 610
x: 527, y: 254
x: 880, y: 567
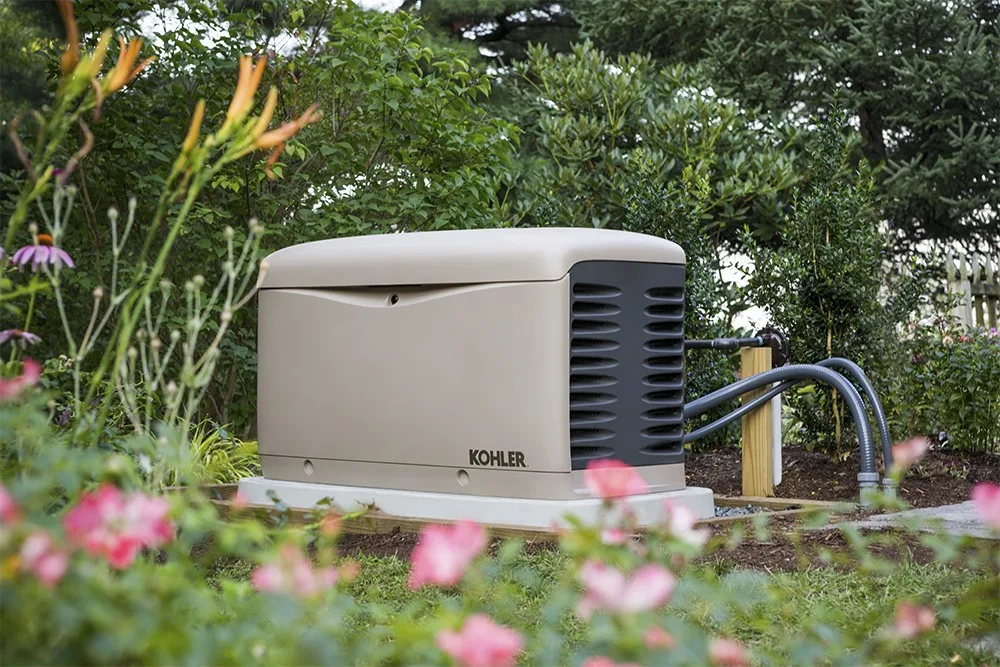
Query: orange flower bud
x: 72, y: 54
x: 246, y: 88
x: 194, y: 129
x: 266, y: 114
x: 97, y: 57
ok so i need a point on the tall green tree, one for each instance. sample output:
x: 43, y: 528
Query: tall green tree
x: 921, y: 78
x: 498, y: 30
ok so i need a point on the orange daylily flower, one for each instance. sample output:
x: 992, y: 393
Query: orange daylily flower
x: 194, y: 130
x: 72, y: 54
x: 288, y: 130
x: 125, y: 69
x: 246, y: 88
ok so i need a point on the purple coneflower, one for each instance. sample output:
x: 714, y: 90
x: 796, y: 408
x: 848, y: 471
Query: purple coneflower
x: 18, y: 337
x: 44, y: 252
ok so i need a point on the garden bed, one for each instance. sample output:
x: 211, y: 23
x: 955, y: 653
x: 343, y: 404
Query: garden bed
x: 941, y: 478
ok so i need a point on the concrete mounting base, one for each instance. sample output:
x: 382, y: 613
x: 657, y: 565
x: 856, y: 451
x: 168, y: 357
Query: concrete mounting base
x: 491, y: 510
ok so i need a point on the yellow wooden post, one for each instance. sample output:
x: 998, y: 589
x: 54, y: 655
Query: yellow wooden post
x: 758, y: 432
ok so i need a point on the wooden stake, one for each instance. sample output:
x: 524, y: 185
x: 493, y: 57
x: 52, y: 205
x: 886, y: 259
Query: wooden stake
x: 758, y: 430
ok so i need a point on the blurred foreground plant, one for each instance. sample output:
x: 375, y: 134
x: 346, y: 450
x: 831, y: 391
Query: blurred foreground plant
x: 155, y: 376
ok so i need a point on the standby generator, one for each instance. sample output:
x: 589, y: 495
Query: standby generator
x: 485, y: 364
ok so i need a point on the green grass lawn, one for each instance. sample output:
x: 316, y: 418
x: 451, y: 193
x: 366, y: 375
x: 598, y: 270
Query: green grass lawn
x: 522, y: 584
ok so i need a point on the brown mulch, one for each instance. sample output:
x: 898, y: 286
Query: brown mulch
x: 941, y: 478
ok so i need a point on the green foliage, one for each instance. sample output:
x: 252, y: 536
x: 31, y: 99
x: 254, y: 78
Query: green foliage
x: 216, y: 457
x: 921, y: 77
x: 583, y: 115
x: 190, y: 601
x: 949, y: 385
x: 825, y: 285
x: 499, y: 30
x: 403, y: 145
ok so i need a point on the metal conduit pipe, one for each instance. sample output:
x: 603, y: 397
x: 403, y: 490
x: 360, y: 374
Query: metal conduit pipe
x: 868, y: 477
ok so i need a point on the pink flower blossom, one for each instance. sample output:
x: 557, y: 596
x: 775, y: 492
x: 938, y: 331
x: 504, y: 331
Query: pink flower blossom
x: 905, y: 454
x: 9, y: 512
x: 614, y: 536
x: 42, y: 558
x: 291, y: 573
x: 610, y: 478
x: 680, y: 523
x: 912, y: 620
x: 11, y: 388
x: 607, y: 588
x: 603, y: 661
x: 19, y: 337
x: 986, y: 499
x: 44, y: 252
x: 658, y: 638
x: 444, y: 553
x: 727, y: 653
x: 481, y: 643
x: 110, y: 524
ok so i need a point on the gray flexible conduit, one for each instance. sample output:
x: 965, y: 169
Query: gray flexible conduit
x: 867, y: 477
x: 834, y: 362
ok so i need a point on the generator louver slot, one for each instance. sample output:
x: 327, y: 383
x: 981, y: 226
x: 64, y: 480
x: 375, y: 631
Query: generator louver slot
x: 626, y: 322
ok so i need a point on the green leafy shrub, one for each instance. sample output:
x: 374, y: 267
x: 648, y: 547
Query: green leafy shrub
x: 825, y: 285
x: 950, y: 385
x: 584, y: 115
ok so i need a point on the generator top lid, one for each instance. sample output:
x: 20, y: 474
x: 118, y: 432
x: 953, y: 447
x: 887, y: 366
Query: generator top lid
x: 460, y: 256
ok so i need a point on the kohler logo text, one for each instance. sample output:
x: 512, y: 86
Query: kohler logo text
x: 496, y: 458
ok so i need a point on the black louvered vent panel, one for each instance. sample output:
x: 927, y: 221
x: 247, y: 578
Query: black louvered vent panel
x: 592, y: 368
x: 626, y: 380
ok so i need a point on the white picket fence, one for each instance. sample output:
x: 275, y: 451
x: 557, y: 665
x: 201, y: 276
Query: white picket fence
x: 974, y: 280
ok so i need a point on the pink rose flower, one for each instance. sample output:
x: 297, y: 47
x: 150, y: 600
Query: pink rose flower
x: 912, y: 620
x: 986, y: 499
x: 727, y: 653
x: 603, y: 661
x: 680, y: 523
x: 292, y: 574
x: 905, y: 454
x: 606, y: 588
x: 41, y: 557
x: 481, y: 643
x: 610, y: 478
x: 11, y: 388
x: 614, y: 536
x: 110, y: 524
x: 658, y: 638
x: 9, y: 511
x: 444, y: 553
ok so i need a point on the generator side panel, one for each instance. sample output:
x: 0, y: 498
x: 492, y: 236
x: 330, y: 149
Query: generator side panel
x: 626, y: 362
x: 404, y: 386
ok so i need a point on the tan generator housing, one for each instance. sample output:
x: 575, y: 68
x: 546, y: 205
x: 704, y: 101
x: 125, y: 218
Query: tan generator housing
x: 488, y: 363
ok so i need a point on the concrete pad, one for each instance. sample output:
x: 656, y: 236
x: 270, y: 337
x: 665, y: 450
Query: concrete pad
x: 960, y: 520
x: 492, y: 510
